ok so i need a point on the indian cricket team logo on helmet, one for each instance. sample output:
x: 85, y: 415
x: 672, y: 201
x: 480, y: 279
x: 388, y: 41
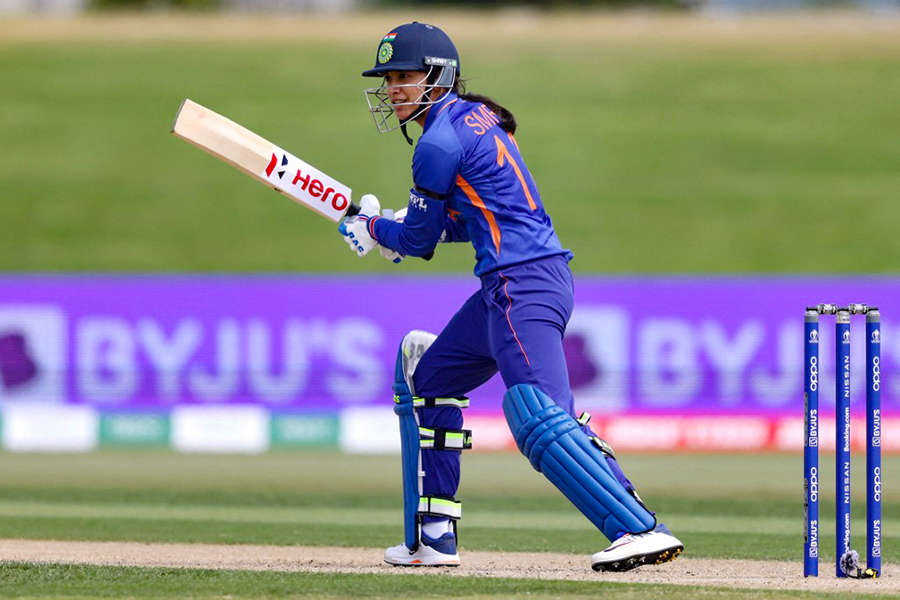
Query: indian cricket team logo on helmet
x: 385, y: 52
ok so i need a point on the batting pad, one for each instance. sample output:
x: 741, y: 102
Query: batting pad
x: 411, y: 466
x: 414, y: 439
x: 556, y: 446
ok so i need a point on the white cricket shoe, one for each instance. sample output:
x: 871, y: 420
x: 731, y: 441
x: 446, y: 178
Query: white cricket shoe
x: 633, y: 550
x: 430, y: 553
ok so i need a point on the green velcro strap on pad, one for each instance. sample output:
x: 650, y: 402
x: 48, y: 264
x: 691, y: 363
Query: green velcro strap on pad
x: 584, y: 418
x: 462, y: 402
x: 604, y: 446
x: 445, y: 439
x: 440, y: 507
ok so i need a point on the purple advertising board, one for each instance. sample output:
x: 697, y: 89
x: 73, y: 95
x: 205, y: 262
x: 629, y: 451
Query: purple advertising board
x: 645, y: 346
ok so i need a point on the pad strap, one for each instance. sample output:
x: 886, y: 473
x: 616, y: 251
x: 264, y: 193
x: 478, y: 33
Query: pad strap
x: 440, y: 507
x: 599, y: 442
x: 604, y: 446
x: 445, y: 439
x: 418, y: 402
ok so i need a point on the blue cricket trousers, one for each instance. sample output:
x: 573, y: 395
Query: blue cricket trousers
x: 515, y: 325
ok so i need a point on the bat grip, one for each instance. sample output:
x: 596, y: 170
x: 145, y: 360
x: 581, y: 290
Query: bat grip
x: 353, y: 210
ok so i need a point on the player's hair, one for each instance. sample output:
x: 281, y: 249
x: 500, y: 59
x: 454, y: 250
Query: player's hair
x: 507, y: 119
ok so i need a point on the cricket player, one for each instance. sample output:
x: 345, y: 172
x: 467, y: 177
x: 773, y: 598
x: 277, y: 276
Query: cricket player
x: 470, y: 184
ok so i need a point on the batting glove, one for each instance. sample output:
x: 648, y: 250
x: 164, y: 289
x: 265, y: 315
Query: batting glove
x: 357, y: 230
x: 392, y: 255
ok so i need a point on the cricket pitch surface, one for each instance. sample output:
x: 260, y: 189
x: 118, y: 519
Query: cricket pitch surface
x: 719, y: 573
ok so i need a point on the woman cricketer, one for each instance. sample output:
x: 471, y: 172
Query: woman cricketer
x: 470, y: 184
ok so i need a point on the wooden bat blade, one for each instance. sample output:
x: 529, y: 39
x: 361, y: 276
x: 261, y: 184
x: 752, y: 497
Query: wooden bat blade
x: 262, y: 160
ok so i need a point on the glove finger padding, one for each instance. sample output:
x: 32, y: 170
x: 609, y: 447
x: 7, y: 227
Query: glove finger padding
x: 398, y: 216
x: 356, y: 229
x: 369, y: 205
x: 392, y: 255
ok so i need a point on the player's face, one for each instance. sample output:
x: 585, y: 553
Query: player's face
x: 405, y: 87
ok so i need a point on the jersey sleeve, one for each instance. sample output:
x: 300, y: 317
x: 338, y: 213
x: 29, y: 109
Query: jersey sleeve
x: 456, y: 231
x: 419, y: 232
x: 436, y: 164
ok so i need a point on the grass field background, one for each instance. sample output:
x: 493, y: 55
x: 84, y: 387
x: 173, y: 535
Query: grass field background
x: 660, y: 144
x: 736, y: 506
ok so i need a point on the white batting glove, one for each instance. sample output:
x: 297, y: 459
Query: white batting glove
x: 392, y: 255
x: 355, y: 229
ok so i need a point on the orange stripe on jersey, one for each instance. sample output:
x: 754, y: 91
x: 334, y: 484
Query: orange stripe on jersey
x: 473, y: 196
x: 446, y: 105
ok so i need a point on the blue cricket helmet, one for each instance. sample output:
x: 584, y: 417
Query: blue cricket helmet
x: 416, y: 47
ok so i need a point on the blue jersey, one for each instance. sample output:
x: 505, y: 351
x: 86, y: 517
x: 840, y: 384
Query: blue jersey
x: 471, y: 184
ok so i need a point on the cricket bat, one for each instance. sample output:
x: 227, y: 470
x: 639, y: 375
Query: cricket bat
x: 263, y: 161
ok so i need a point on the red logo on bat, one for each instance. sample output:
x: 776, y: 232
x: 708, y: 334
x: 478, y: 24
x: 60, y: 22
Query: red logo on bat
x: 317, y: 190
x: 274, y: 163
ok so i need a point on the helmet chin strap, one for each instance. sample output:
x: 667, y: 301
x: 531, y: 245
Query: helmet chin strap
x: 405, y: 135
x: 415, y: 115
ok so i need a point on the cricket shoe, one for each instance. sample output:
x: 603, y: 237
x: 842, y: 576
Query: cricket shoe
x: 636, y: 549
x: 430, y: 553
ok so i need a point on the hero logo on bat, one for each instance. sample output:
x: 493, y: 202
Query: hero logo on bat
x: 316, y: 189
x: 305, y: 183
x: 274, y: 162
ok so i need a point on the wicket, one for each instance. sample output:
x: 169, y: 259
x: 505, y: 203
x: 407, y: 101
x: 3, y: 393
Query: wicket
x: 846, y: 560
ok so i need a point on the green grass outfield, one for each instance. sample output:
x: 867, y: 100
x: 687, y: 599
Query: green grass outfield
x: 67, y: 581
x: 721, y: 506
x: 660, y: 143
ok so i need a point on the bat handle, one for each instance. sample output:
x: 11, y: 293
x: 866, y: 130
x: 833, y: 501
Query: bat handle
x: 353, y: 210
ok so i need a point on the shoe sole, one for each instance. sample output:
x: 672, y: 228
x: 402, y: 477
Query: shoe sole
x: 627, y: 564
x: 421, y: 564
